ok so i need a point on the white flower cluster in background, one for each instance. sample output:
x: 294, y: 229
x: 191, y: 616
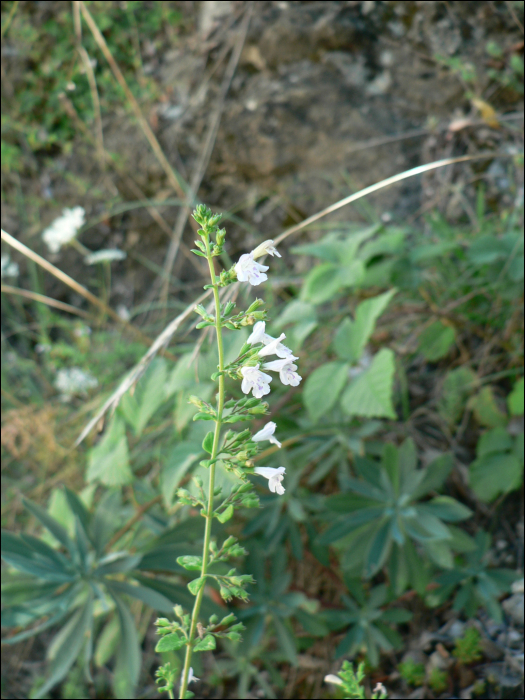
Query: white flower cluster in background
x: 63, y: 229
x: 9, y: 268
x: 73, y: 380
x: 107, y: 255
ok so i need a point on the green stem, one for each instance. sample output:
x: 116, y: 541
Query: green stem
x: 211, y: 486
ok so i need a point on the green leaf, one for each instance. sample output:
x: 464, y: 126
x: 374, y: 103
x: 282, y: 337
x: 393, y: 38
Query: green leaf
x: 294, y: 312
x: 350, y: 523
x: 155, y: 600
x: 116, y: 563
x: 440, y: 553
x: 458, y: 385
x: 171, y: 642
x: 436, y: 341
x: 108, y: 462
x: 322, y: 388
x: 207, y: 443
x: 485, y: 409
x: 150, y: 394
x: 190, y: 563
x: 446, y: 508
x: 129, y: 661
x: 379, y: 549
x: 179, y: 461
x: 66, y: 646
x: 206, y: 644
x: 352, y: 336
x: 426, y: 527
x: 58, y: 532
x: 434, y: 475
x: 225, y: 515
x: 370, y: 394
x: 495, y: 440
x: 515, y: 399
x: 285, y: 640
x: 328, y: 248
x: 195, y: 585
x: 322, y: 283
x: 493, y: 474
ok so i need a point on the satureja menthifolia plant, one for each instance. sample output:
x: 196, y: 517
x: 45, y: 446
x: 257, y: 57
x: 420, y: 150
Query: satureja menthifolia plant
x: 230, y: 450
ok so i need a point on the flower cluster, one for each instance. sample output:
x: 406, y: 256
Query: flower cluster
x: 63, y: 229
x: 247, y: 270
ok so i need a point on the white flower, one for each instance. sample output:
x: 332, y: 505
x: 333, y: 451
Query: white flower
x: 286, y: 369
x: 265, y: 248
x: 247, y: 270
x: 9, y: 268
x: 259, y: 334
x: 74, y: 380
x: 275, y: 347
x: 274, y: 476
x: 63, y: 229
x: 191, y: 677
x: 107, y: 255
x: 255, y: 380
x: 330, y: 678
x: 380, y: 690
x: 267, y: 434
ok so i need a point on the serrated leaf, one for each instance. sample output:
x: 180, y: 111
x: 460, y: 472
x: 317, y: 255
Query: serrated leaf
x: 108, y: 462
x: 322, y: 283
x: 322, y: 388
x: 370, y: 394
x: 190, y: 563
x: 206, y: 644
x: 225, y: 515
x: 352, y: 336
x: 171, y: 642
x: 493, y: 474
x: 328, y: 248
x: 436, y: 341
x: 495, y: 440
x: 485, y: 409
x: 195, y: 585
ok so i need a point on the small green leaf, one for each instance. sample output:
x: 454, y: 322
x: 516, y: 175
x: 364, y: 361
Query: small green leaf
x: 171, y: 642
x: 226, y: 514
x: 494, y: 474
x: 322, y: 388
x: 485, y: 409
x: 190, y: 563
x: 195, y: 585
x: 207, y: 443
x: 206, y: 644
x: 352, y: 336
x: 370, y: 394
x: 495, y: 440
x: 322, y: 283
x: 436, y: 341
x: 108, y: 462
x: 515, y: 399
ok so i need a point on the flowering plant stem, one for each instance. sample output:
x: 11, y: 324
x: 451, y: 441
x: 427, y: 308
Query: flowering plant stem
x: 211, y: 484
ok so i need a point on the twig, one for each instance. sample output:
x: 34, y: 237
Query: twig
x: 7, y: 289
x: 207, y: 150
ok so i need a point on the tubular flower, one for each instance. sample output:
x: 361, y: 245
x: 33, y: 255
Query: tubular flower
x: 267, y: 434
x: 275, y: 347
x: 259, y: 334
x: 265, y: 248
x: 256, y: 381
x: 286, y: 369
x: 247, y: 270
x: 274, y: 476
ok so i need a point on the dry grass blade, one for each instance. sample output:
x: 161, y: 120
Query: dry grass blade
x: 175, y: 179
x: 139, y: 369
x: 7, y: 289
x: 381, y: 185
x: 78, y: 288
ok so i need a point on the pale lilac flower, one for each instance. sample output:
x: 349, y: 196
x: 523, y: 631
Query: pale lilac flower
x: 259, y: 334
x: 274, y: 476
x: 247, y: 270
x: 267, y: 434
x: 275, y: 347
x: 265, y: 248
x: 255, y: 380
x: 191, y: 677
x: 286, y: 369
x: 63, y: 229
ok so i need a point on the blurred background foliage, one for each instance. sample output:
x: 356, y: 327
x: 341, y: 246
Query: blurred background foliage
x: 403, y: 445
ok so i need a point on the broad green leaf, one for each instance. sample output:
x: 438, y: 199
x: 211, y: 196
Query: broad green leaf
x: 179, y: 460
x: 495, y: 440
x: 154, y: 599
x: 485, y: 409
x: 487, y: 249
x: 386, y: 243
x: 432, y: 250
x: 495, y: 473
x: 129, y: 661
x: 515, y: 399
x: 424, y: 527
x: 206, y: 644
x: 440, y: 553
x: 461, y: 541
x: 322, y: 388
x: 108, y: 462
x: 148, y: 397
x: 322, y: 283
x: 458, y: 385
x: 171, y: 642
x: 352, y: 273
x: 117, y: 562
x: 65, y: 647
x: 190, y: 563
x: 436, y: 341
x: 348, y: 251
x: 226, y: 514
x: 182, y: 375
x: 352, y: 336
x: 195, y: 585
x: 328, y: 248
x: 370, y: 394
x: 446, y: 508
x: 296, y: 311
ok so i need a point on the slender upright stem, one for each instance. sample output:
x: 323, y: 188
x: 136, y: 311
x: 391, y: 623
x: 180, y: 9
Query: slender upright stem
x: 211, y: 486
